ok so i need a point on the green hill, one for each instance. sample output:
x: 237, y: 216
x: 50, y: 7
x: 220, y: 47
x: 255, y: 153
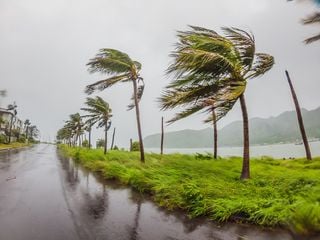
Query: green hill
x: 283, y: 128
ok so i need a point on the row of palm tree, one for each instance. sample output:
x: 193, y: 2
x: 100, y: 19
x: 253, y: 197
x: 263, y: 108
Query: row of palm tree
x: 209, y: 73
x: 98, y: 113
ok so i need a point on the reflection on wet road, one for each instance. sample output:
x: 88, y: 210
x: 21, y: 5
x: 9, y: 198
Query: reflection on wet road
x: 43, y: 196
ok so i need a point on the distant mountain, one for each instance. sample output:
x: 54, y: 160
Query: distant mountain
x: 283, y: 128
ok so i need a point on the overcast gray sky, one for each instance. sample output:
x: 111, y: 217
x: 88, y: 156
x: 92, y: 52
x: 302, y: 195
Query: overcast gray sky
x: 45, y: 45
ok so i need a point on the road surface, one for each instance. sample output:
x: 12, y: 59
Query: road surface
x: 44, y: 197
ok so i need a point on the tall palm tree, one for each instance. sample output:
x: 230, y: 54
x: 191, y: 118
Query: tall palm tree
x: 121, y: 68
x: 100, y: 113
x: 27, y: 124
x: 215, y: 68
x: 300, y: 119
x: 34, y: 132
x: 12, y: 109
x: 65, y: 135
x: 88, y: 128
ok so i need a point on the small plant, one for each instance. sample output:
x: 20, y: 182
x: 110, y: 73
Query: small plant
x: 206, y: 156
x: 2, y: 138
x: 100, y: 143
x: 135, y: 146
x: 85, y: 143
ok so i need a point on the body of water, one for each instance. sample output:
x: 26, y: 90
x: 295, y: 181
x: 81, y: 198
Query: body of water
x: 276, y: 150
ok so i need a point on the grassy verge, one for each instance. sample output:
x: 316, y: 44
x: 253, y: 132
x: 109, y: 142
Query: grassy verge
x: 280, y: 193
x: 13, y: 145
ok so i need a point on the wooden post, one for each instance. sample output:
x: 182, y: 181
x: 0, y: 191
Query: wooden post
x: 130, y: 144
x: 162, y: 136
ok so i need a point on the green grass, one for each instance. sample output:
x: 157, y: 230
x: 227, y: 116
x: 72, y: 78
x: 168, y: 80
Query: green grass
x: 279, y: 193
x: 13, y: 145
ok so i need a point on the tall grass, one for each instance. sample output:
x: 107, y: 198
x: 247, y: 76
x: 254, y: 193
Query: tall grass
x: 279, y: 193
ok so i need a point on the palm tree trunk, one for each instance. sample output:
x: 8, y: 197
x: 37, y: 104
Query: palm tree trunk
x: 300, y: 119
x: 10, y: 129
x: 162, y: 136
x: 27, y: 130
x: 105, y: 139
x: 114, y: 132
x: 89, y: 138
x: 245, y: 174
x: 138, y: 120
x: 215, y: 135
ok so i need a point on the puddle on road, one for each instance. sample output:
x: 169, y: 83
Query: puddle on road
x: 106, y: 210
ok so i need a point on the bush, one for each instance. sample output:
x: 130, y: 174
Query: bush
x: 85, y: 143
x: 100, y: 143
x: 2, y: 138
x: 22, y: 139
x: 135, y: 146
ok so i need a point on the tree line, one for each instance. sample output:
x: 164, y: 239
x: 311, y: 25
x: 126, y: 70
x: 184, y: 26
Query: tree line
x: 13, y: 129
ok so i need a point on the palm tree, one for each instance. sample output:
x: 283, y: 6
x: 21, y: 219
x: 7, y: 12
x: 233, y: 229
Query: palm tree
x: 27, y: 123
x: 65, y: 135
x: 76, y: 125
x: 300, y: 119
x: 88, y: 128
x: 213, y: 68
x: 34, y: 132
x: 121, y: 68
x: 183, y: 96
x: 12, y: 109
x: 100, y: 113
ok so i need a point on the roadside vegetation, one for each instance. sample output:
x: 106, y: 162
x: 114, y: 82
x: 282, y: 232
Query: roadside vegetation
x: 13, y: 145
x: 280, y: 193
x: 210, y: 72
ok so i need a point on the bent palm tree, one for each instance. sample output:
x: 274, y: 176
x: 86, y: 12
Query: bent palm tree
x: 182, y: 96
x: 212, y: 68
x: 122, y: 69
x: 76, y: 126
x: 300, y: 118
x: 100, y: 113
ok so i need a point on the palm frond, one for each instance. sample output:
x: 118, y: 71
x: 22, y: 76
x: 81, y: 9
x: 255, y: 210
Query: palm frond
x: 263, y: 63
x: 103, y: 84
x: 110, y: 61
x: 312, y: 39
x: 244, y: 43
x: 314, y: 18
x: 185, y: 113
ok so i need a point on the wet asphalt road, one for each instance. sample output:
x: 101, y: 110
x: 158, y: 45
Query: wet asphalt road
x: 44, y: 197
